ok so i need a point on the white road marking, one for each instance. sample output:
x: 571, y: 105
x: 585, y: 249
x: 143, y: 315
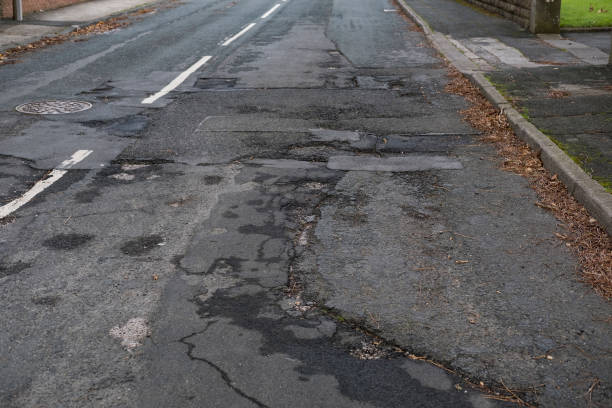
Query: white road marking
x: 40, y: 186
x: 389, y: 10
x: 77, y: 157
x: 231, y: 39
x: 270, y: 11
x: 177, y: 81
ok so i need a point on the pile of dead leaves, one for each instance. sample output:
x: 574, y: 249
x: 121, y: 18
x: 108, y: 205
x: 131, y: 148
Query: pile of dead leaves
x: 582, y: 234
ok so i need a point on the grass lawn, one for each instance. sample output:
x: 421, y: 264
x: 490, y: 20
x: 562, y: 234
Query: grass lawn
x: 585, y: 13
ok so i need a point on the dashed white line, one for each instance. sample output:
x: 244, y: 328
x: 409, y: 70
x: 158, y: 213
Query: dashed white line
x: 231, y: 39
x: 267, y: 13
x: 40, y: 186
x: 183, y: 76
x: 177, y: 81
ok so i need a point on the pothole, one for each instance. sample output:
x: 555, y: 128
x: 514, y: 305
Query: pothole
x: 53, y: 107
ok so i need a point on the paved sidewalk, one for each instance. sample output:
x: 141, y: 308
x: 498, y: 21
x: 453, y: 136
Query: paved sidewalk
x: 54, y: 22
x: 559, y: 83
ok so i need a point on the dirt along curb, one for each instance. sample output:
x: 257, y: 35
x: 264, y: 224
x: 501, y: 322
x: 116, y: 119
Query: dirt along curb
x: 64, y: 29
x: 586, y: 190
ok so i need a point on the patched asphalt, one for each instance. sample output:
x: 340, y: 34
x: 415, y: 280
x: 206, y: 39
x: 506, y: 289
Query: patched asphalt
x: 223, y: 247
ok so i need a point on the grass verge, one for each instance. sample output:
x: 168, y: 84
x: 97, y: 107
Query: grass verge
x: 586, y: 13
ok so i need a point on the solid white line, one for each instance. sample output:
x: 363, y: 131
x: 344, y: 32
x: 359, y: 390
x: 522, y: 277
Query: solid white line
x: 40, y: 186
x: 176, y: 81
x: 231, y: 39
x: 270, y: 11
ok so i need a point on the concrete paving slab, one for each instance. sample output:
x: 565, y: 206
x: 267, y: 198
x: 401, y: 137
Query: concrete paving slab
x: 88, y: 11
x: 588, y: 54
x: 15, y: 35
x: 571, y: 104
x: 595, y: 39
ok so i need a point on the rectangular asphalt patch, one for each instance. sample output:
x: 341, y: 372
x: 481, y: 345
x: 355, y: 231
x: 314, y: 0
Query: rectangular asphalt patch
x: 394, y: 164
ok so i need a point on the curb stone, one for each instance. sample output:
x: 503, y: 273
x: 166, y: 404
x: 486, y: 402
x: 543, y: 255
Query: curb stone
x: 587, y: 191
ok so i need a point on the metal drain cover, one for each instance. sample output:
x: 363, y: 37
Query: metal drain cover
x: 53, y: 107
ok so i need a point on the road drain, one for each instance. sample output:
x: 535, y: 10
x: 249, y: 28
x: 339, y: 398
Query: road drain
x: 53, y: 107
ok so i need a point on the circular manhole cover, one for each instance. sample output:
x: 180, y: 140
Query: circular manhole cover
x: 53, y: 107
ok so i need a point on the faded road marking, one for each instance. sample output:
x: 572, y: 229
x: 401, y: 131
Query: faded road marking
x: 177, y: 81
x: 42, y: 185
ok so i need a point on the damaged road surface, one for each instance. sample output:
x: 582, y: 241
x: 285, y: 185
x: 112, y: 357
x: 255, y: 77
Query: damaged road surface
x: 304, y: 221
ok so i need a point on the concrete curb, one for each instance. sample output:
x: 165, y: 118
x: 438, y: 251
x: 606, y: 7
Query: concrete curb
x: 584, y: 29
x: 586, y: 190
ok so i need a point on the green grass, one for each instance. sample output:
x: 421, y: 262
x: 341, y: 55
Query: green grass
x: 607, y: 184
x: 583, y: 161
x: 576, y: 13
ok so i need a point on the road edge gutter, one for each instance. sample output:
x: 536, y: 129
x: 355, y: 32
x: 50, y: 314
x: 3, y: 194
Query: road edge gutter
x: 587, y: 191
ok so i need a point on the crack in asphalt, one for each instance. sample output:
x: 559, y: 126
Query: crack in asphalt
x: 224, y: 376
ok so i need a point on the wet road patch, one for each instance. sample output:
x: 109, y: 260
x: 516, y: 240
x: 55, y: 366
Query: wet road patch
x: 210, y: 180
x: 46, y: 300
x: 12, y: 269
x: 67, y: 241
x: 142, y: 245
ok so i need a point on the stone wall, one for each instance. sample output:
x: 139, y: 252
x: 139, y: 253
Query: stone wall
x: 518, y: 11
x: 29, y: 6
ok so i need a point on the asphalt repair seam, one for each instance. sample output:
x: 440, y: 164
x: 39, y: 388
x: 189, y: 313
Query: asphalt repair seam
x: 228, y: 381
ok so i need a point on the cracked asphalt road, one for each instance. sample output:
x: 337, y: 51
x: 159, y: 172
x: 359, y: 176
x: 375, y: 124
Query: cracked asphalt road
x: 287, y: 228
